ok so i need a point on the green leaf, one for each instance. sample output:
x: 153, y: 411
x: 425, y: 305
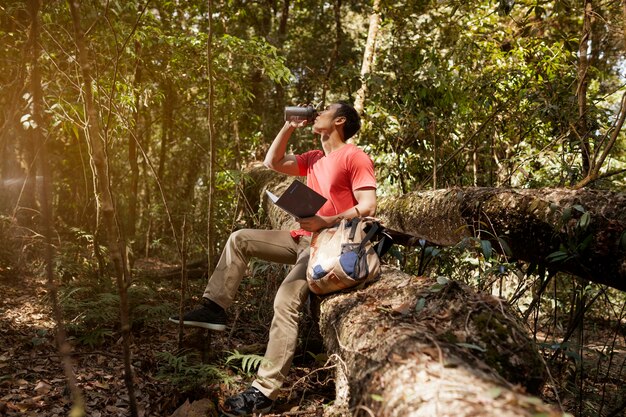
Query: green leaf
x: 585, y: 243
x: 249, y: 362
x: 320, y: 358
x: 557, y: 256
x: 377, y: 398
x: 534, y: 205
x: 567, y: 214
x: 486, y: 248
x: 472, y: 346
x: 436, y: 288
x: 419, y: 306
x: 442, y: 280
x: 505, y: 247
x: 584, y: 220
x: 494, y: 393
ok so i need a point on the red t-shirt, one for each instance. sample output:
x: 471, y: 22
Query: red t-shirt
x: 336, y: 176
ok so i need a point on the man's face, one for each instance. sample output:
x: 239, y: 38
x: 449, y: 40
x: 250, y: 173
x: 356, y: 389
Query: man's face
x: 325, y: 121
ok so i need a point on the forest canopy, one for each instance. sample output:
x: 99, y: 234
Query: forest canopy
x: 458, y: 94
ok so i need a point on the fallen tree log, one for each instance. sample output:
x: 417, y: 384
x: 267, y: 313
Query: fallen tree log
x: 412, y: 346
x: 581, y: 232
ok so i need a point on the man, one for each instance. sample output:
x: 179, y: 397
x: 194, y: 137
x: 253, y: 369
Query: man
x: 343, y: 174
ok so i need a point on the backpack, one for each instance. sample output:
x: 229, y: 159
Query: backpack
x: 346, y: 255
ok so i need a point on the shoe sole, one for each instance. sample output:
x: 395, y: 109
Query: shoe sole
x: 204, y: 325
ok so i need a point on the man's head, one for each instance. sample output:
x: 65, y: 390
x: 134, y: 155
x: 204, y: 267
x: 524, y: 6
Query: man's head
x: 352, y: 120
x: 339, y: 114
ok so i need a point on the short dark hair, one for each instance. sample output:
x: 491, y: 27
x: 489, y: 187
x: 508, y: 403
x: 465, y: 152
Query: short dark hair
x: 353, y: 120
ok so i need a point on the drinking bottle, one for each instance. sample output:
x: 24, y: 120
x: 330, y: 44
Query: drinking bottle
x: 300, y: 114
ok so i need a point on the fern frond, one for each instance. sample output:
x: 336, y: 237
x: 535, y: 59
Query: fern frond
x: 249, y: 362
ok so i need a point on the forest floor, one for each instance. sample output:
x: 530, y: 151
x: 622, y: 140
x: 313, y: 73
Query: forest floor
x: 32, y: 382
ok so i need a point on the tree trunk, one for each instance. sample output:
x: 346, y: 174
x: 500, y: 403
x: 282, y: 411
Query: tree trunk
x: 212, y: 144
x: 133, y: 139
x: 334, y: 55
x: 104, y: 198
x: 524, y: 224
x: 414, y: 346
x: 31, y: 132
x: 436, y: 349
x: 166, y: 125
x: 280, y: 42
x: 581, y: 89
x: 624, y: 22
x: 604, y: 149
x: 65, y: 350
x: 368, y: 56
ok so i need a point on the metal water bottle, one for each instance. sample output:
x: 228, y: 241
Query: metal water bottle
x: 300, y: 114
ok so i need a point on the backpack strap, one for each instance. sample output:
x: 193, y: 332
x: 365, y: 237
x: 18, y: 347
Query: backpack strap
x: 354, y: 223
x: 384, y: 243
x: 370, y: 234
x: 385, y: 240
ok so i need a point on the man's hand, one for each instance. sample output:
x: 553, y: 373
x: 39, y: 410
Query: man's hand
x: 302, y: 123
x: 313, y: 224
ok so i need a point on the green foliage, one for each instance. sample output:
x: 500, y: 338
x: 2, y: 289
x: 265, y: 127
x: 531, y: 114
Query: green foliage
x: 93, y: 316
x: 76, y: 259
x: 249, y: 363
x: 579, y: 235
x: 470, y: 97
x: 90, y: 302
x: 459, y: 94
x: 183, y: 372
x: 9, y: 250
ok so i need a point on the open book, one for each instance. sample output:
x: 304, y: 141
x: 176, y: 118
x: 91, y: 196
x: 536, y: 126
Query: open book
x: 298, y: 200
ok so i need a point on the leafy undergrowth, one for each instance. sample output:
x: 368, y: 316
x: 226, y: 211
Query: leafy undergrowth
x: 215, y: 365
x: 210, y: 365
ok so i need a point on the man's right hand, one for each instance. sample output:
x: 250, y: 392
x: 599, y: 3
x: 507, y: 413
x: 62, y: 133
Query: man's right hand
x: 298, y: 124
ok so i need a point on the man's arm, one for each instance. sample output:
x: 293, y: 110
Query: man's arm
x: 276, y: 159
x: 366, y: 206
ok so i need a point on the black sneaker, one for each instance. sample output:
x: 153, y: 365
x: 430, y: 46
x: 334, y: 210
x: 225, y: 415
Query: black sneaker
x: 246, y: 403
x: 209, y: 316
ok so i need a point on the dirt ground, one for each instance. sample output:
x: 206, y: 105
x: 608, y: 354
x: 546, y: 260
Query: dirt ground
x: 32, y: 382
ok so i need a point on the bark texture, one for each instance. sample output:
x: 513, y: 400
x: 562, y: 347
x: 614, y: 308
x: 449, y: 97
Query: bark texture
x: 587, y: 226
x: 413, y: 346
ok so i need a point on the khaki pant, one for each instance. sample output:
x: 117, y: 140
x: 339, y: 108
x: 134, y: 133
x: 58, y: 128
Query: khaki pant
x: 274, y: 246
